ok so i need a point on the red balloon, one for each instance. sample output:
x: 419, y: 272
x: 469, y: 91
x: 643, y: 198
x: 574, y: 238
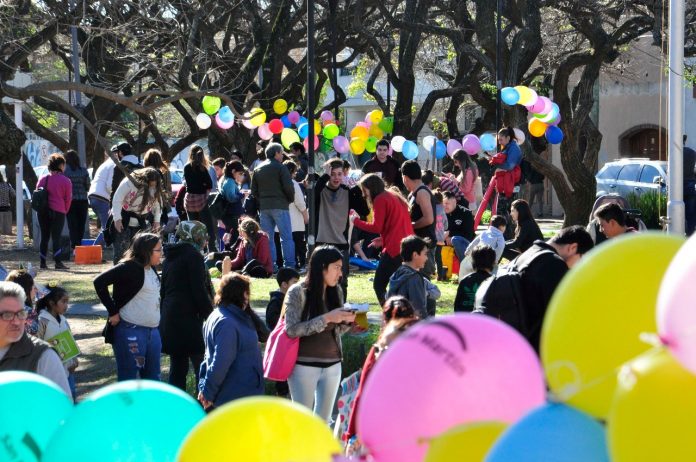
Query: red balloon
x: 276, y: 126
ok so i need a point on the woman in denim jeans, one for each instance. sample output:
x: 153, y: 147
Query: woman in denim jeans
x: 314, y: 312
x: 134, y: 309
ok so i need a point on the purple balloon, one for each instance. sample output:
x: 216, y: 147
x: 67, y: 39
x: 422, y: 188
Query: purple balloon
x: 294, y: 117
x: 341, y: 144
x: 453, y: 145
x: 471, y: 144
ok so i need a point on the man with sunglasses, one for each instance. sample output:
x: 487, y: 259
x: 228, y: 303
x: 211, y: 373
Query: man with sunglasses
x: 20, y: 351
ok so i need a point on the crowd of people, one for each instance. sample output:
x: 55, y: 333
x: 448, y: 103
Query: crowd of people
x: 252, y: 223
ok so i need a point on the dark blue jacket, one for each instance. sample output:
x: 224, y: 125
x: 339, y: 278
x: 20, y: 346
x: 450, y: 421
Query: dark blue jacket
x: 232, y: 367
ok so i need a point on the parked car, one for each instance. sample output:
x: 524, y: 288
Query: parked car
x: 632, y: 176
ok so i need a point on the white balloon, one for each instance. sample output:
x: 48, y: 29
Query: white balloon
x: 397, y: 143
x: 519, y: 134
x: 429, y: 142
x: 203, y: 121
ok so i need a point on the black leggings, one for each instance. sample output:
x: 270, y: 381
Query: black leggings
x: 77, y: 217
x: 179, y: 367
x: 51, y: 224
x: 206, y: 218
x: 386, y: 267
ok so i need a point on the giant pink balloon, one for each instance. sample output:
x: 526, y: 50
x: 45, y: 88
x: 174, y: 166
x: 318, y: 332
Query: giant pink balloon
x: 676, y: 313
x: 444, y: 372
x: 471, y: 144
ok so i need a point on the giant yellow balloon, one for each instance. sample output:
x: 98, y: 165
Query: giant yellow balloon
x: 595, y: 318
x: 465, y: 443
x: 260, y: 429
x: 653, y: 416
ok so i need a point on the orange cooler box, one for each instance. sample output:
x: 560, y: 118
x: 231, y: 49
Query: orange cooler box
x: 88, y: 254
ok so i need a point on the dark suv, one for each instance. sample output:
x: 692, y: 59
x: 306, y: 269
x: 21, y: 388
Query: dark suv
x: 632, y: 176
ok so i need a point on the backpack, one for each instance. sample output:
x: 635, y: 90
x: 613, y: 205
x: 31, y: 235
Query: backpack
x: 501, y: 296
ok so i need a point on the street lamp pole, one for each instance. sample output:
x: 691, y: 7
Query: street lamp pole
x: 310, y: 125
x: 675, y: 204
x: 498, y: 65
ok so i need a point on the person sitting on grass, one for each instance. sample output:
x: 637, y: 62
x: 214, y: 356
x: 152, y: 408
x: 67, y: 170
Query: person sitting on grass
x: 483, y: 259
x: 493, y: 237
x: 253, y: 255
x: 408, y: 281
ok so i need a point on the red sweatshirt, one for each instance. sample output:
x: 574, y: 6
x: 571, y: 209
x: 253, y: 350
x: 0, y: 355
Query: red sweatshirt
x: 391, y: 221
x: 261, y: 252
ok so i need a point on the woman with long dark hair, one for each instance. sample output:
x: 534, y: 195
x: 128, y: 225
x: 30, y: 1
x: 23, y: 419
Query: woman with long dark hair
x: 134, y: 308
x: 233, y: 177
x: 253, y: 257
x: 198, y: 185
x: 131, y: 205
x: 467, y: 176
x: 313, y: 310
x: 77, y: 214
x: 52, y: 219
x: 507, y: 162
x: 187, y: 300
x: 153, y: 158
x: 526, y: 229
x: 391, y: 220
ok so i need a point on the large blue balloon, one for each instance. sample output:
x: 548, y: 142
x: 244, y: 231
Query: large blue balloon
x: 410, y: 150
x: 303, y: 130
x: 554, y: 432
x: 510, y: 96
x: 440, y: 150
x: 554, y: 135
x: 31, y: 409
x: 488, y: 141
x: 303, y: 120
x: 134, y: 420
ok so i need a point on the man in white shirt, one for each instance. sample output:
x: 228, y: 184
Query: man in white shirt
x: 99, y: 194
x: 18, y: 350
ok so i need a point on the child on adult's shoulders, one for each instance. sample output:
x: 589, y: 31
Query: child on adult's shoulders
x: 483, y: 259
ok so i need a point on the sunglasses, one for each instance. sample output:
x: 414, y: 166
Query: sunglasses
x: 11, y: 315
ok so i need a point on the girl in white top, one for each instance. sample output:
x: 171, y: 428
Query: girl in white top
x: 52, y: 321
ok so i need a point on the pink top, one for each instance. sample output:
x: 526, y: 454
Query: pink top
x: 59, y: 191
x: 466, y: 185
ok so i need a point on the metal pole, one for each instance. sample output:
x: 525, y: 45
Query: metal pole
x: 334, y: 71
x: 498, y: 65
x: 388, y: 95
x: 310, y: 119
x: 19, y: 180
x: 675, y: 169
x: 78, y: 95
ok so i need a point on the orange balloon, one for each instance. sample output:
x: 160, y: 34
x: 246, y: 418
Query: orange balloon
x: 536, y: 127
x: 360, y: 132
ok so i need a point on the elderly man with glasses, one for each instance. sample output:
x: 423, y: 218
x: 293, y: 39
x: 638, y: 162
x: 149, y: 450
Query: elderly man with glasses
x: 20, y: 351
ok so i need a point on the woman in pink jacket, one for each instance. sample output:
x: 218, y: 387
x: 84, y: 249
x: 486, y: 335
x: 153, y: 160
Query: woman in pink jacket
x: 52, y: 219
x: 467, y: 177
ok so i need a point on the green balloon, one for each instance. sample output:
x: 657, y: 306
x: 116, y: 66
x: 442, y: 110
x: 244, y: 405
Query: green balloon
x: 289, y: 136
x: 331, y: 131
x: 211, y: 104
x: 386, y: 124
x: 371, y: 144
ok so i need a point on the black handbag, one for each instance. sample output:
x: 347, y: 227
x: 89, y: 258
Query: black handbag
x: 108, y: 333
x: 217, y: 204
x: 39, y: 198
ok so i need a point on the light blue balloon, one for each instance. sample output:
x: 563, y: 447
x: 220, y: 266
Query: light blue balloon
x: 410, y: 150
x: 303, y: 120
x: 303, y: 130
x: 553, y: 432
x: 134, y: 420
x: 226, y: 115
x: 440, y: 150
x: 488, y: 141
x: 286, y: 121
x: 510, y: 96
x: 31, y: 409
